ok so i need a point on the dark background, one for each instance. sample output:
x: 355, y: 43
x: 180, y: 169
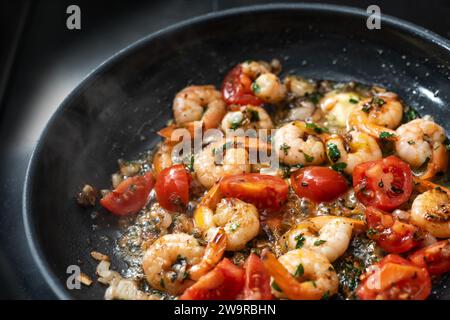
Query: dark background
x: 41, y: 61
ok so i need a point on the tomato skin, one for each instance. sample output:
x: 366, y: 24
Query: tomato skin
x: 172, y: 187
x: 395, y: 278
x: 236, y: 88
x: 371, y: 181
x: 318, y: 184
x: 130, y: 196
x: 392, y: 235
x: 263, y: 191
x: 435, y: 258
x: 257, y: 280
x: 224, y: 282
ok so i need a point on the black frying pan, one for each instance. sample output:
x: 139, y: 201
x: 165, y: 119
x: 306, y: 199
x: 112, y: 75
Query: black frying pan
x: 116, y: 110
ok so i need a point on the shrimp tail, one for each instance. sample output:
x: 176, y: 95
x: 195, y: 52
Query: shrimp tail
x: 438, y: 163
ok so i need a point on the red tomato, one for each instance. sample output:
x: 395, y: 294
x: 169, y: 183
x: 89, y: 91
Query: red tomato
x: 224, y: 282
x: 395, y: 278
x: 385, y: 184
x: 264, y: 191
x: 172, y: 187
x: 257, y: 280
x: 435, y: 257
x: 392, y: 235
x: 129, y: 196
x: 237, y: 88
x: 318, y: 183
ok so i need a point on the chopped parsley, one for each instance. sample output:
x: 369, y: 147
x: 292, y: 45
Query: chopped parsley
x: 316, y: 128
x: 447, y: 145
x: 326, y: 295
x: 254, y: 115
x: 234, y: 226
x: 366, y: 107
x: 410, y: 115
x: 377, y: 101
x: 255, y: 87
x: 300, y: 241
x: 339, y: 166
x: 308, y: 158
x: 189, y: 162
x: 354, y: 101
x: 371, y: 232
x: 319, y: 242
x: 333, y: 152
x: 299, y: 271
x: 276, y: 287
x: 285, y: 148
x: 381, y: 184
x: 314, y: 97
x: 386, y: 135
x: 411, y: 142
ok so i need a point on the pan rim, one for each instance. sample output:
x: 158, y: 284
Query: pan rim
x: 27, y: 213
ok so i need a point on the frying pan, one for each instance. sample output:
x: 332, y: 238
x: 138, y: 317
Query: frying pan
x: 115, y: 112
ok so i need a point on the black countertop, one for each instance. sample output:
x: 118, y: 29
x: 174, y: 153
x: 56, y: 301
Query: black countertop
x: 41, y: 61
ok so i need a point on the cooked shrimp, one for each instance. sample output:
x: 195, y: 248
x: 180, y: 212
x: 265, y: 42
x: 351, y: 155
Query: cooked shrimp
x: 352, y: 149
x: 378, y: 116
x: 327, y: 235
x: 298, y: 86
x: 295, y: 144
x: 266, y: 85
x: 337, y: 106
x: 168, y: 261
x: 162, y: 158
x: 247, y: 117
x: 239, y: 219
x: 431, y: 211
x: 199, y: 103
x: 421, y: 142
x: 301, y: 274
x: 209, y: 169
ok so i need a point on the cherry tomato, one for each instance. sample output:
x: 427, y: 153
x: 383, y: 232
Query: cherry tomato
x: 395, y: 278
x: 318, y: 183
x: 264, y: 191
x: 236, y: 88
x: 435, y: 257
x: 130, y: 195
x: 385, y: 184
x: 224, y: 282
x: 257, y: 280
x: 172, y: 187
x: 392, y: 235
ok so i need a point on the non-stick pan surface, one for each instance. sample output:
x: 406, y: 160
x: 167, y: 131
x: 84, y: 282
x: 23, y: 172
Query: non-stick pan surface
x: 116, y: 110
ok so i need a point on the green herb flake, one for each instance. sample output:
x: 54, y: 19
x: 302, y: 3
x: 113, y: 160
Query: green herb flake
x: 378, y: 101
x: 255, y: 87
x: 333, y: 152
x: 319, y: 242
x: 386, y: 135
x: 234, y: 226
x: 352, y: 100
x: 372, y: 232
x: 276, y: 287
x: 316, y: 128
x: 410, y: 115
x: 308, y: 158
x: 326, y: 295
x: 339, y: 166
x: 300, y: 241
x: 254, y: 115
x: 411, y: 142
x: 299, y: 271
x: 285, y: 148
x: 235, y: 124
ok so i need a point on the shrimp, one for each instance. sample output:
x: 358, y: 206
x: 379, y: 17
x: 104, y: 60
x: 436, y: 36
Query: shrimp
x: 209, y: 169
x: 378, y: 116
x: 327, y: 235
x: 247, y: 117
x: 421, y: 142
x: 199, y: 103
x: 352, y: 149
x: 266, y: 85
x: 431, y: 211
x: 162, y: 158
x: 295, y: 144
x: 173, y: 261
x: 298, y: 86
x: 239, y: 219
x: 337, y: 106
x: 301, y: 274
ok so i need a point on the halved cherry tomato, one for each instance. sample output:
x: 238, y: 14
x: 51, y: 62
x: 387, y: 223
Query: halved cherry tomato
x: 264, y: 191
x: 224, y: 282
x: 130, y: 195
x: 172, y: 187
x: 236, y: 88
x: 257, y: 280
x: 435, y: 257
x: 392, y: 235
x: 385, y: 184
x: 318, y: 183
x: 395, y: 278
